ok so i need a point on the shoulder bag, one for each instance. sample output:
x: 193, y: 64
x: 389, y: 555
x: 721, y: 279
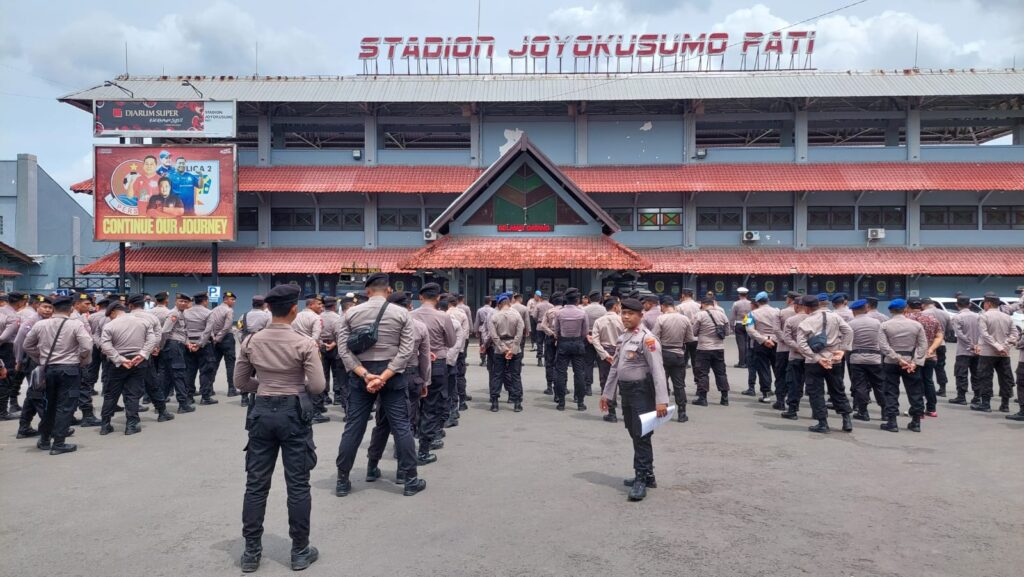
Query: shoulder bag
x: 818, y: 342
x: 362, y: 339
x: 37, y: 380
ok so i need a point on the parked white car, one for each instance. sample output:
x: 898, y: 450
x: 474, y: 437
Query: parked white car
x: 1018, y: 317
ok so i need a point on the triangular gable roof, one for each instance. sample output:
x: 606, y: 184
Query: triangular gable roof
x: 10, y: 251
x: 495, y: 171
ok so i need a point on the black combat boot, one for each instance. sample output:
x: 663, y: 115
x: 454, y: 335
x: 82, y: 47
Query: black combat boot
x: 915, y: 425
x: 639, y: 490
x: 245, y: 400
x: 790, y: 414
x: 549, y: 390
x: 60, y: 447
x: 303, y: 558
x: 611, y: 417
x: 960, y: 399
x: 821, y: 427
x: 984, y: 405
x: 27, y: 433
x: 702, y: 400
x: 252, y: 555
x: 232, y: 392
x: 725, y: 399
x: 343, y: 487
x: 413, y: 486
x: 1004, y: 407
x: 437, y: 444
x: 847, y: 423
x: 1018, y: 416
x: 651, y: 482
x: 561, y: 405
x: 862, y: 415
x: 132, y: 427
x: 320, y: 418
x: 749, y: 392
x: 43, y: 444
x: 941, y: 392
x: 681, y: 414
x: 164, y: 415
x: 518, y: 407
x: 106, y: 428
x: 372, y: 472
x: 89, y: 420
x: 208, y: 401
x: 425, y: 458
x: 890, y: 425
x: 580, y: 406
x: 494, y: 405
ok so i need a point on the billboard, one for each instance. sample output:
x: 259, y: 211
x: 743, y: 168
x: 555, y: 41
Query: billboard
x: 165, y: 193
x: 138, y: 118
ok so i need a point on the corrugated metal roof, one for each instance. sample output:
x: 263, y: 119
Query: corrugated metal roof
x: 569, y: 87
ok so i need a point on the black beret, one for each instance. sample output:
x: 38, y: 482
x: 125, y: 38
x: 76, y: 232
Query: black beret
x: 137, y: 299
x: 914, y: 302
x: 81, y: 296
x: 594, y: 296
x: 103, y: 302
x: 572, y: 293
x: 162, y: 296
x: 38, y: 298
x: 257, y: 300
x: 557, y: 294
x: 809, y: 300
x: 376, y: 278
x: 688, y: 291
x: 706, y: 300
x: 283, y: 294
x: 199, y: 296
x: 927, y: 301
x: 963, y: 300
x: 184, y: 297
x: 991, y: 297
x: 46, y: 300
x: 229, y: 294
x: 62, y: 301
x: 667, y: 300
x: 872, y: 301
x: 348, y: 299
x: 430, y: 290
x: 114, y: 306
x: 16, y: 296
x: 631, y: 304
x: 330, y: 301
x: 4, y: 298
x: 400, y: 298
x: 792, y: 295
x: 312, y: 296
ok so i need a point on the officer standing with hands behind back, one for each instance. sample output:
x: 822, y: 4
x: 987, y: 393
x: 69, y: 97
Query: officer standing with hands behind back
x: 638, y: 374
x: 279, y: 419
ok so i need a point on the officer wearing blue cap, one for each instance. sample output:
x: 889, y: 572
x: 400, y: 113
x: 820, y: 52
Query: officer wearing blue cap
x: 839, y: 307
x: 764, y: 322
x: 823, y: 297
x: 904, y: 350
x: 507, y: 328
x: 866, y: 371
x: 541, y: 306
x: 280, y: 419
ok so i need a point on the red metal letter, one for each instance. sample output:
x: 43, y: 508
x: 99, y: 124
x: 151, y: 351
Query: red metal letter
x: 368, y: 49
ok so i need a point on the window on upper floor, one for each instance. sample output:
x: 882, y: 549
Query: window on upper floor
x: 292, y: 219
x: 660, y: 219
x: 623, y: 217
x: 248, y: 218
x: 716, y: 218
x: 347, y: 219
x: 949, y: 218
x: 770, y: 218
x: 830, y: 218
x: 1002, y: 217
x: 401, y: 219
x: 887, y: 217
x: 432, y: 215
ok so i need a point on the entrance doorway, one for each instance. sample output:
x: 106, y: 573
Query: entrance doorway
x: 499, y: 282
x: 552, y: 281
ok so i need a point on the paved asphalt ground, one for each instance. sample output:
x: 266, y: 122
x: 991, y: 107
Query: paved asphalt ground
x: 741, y: 492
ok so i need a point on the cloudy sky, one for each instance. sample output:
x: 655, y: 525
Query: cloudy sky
x: 51, y: 48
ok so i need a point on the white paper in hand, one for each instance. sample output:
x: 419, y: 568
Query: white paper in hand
x: 651, y: 421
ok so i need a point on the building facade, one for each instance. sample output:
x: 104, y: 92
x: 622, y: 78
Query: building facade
x: 874, y: 184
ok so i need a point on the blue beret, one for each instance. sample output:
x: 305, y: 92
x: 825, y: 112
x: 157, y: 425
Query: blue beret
x: 897, y: 304
x: 839, y: 297
x: 859, y: 304
x: 822, y: 296
x: 502, y: 297
x: 761, y: 296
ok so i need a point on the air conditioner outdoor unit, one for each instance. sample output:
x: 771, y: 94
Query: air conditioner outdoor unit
x: 429, y: 234
x: 876, y: 233
x: 751, y: 236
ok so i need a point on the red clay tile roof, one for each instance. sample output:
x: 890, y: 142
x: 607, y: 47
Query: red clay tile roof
x: 658, y: 178
x: 9, y: 272
x: 517, y: 253
x: 840, y: 261
x: 250, y: 260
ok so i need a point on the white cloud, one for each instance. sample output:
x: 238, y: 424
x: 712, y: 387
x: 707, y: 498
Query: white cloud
x: 607, y: 17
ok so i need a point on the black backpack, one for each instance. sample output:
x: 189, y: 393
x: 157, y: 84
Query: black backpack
x: 362, y: 339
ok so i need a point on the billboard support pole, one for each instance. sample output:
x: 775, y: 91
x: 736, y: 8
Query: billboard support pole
x: 121, y: 284
x: 213, y: 263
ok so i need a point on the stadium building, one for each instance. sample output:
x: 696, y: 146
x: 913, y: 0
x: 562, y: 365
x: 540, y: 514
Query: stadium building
x: 872, y: 183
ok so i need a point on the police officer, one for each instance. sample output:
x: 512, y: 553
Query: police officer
x: 175, y: 354
x: 941, y: 379
x: 673, y: 330
x: 128, y: 342
x: 524, y: 313
x: 594, y: 310
x: 9, y: 323
x: 741, y: 307
x: 782, y: 350
x: 932, y: 332
x: 604, y: 336
x: 652, y: 310
x: 219, y: 325
x: 690, y: 309
x: 161, y: 311
x: 637, y: 374
x: 417, y: 374
x: 96, y: 320
x: 442, y: 337
x: 27, y: 316
x: 279, y: 420
x: 254, y: 321
x: 35, y: 401
x: 1019, y: 415
x: 378, y: 371
x: 63, y: 346
x: 795, y: 362
x: 309, y: 324
x: 450, y: 416
x: 996, y: 339
x: 482, y: 315
x: 711, y: 328
x: 197, y: 357
x: 823, y: 337
x: 550, y: 344
x: 764, y: 322
x: 461, y: 314
x: 866, y: 372
x: 570, y: 327
x: 873, y: 311
x: 506, y: 326
x: 81, y: 305
x: 137, y: 306
x: 539, y: 336
x: 329, y: 349
x: 904, y: 350
x: 965, y: 367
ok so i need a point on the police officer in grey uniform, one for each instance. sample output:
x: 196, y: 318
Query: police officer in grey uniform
x: 9, y: 322
x: 506, y: 326
x: 710, y: 355
x: 128, y: 342
x: 782, y: 350
x: 378, y: 371
x: 63, y: 346
x: 594, y: 310
x: 417, y: 373
x: 965, y: 367
x: 741, y: 307
x: 219, y: 325
x: 904, y: 350
x: 763, y: 343
x: 137, y: 306
x: 570, y: 327
x: 441, y: 333
x: 673, y: 330
x: 996, y: 339
x: 254, y: 321
x: 174, y: 351
x: 197, y: 357
x: 329, y: 350
x: 866, y: 371
x: 1019, y: 415
x: 550, y: 342
x: 96, y: 320
x: 604, y: 336
x: 944, y: 319
x: 795, y: 361
x: 638, y: 375
x: 822, y: 338
x: 279, y: 420
x: 539, y: 336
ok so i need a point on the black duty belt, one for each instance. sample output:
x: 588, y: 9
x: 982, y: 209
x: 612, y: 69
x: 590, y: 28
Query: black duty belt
x: 906, y: 353
x: 634, y: 383
x: 506, y: 338
x: 865, y: 352
x: 570, y: 338
x: 277, y: 400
